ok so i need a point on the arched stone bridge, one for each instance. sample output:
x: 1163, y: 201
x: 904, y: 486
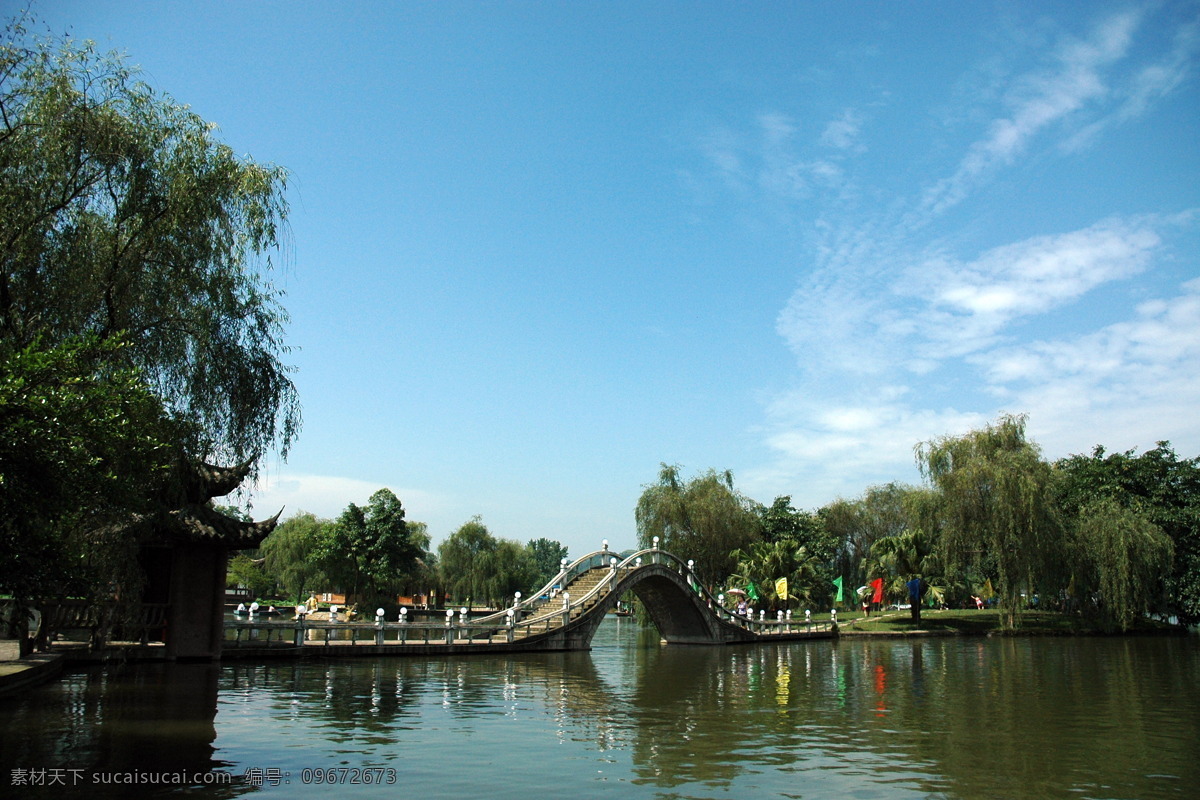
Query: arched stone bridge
x: 563, y: 615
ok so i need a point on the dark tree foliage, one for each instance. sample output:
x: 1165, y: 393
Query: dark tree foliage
x: 1160, y: 486
x: 122, y: 215
x: 783, y: 523
x: 994, y: 500
x: 83, y: 446
x: 369, y: 551
x: 547, y: 556
x: 137, y: 328
x: 855, y: 525
x: 291, y: 553
x: 704, y: 520
x: 480, y: 569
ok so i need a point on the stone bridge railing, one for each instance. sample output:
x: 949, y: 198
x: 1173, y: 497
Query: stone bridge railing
x: 553, y: 617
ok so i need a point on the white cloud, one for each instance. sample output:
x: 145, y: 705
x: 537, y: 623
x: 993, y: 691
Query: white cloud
x: 1129, y: 357
x: 327, y: 496
x: 844, y: 447
x: 873, y: 314
x: 842, y: 133
x: 1041, y: 99
x: 970, y: 303
x: 900, y: 337
x: 1152, y: 82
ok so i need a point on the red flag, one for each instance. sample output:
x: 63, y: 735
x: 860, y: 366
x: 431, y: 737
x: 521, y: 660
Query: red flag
x: 878, y: 584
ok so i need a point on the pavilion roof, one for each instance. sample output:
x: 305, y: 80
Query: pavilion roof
x: 203, y: 523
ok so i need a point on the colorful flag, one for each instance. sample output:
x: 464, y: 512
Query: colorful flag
x: 878, y: 596
x: 988, y: 591
x: 914, y: 590
x: 838, y: 584
x: 781, y: 588
x: 752, y: 592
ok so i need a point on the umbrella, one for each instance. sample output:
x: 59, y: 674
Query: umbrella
x: 734, y: 591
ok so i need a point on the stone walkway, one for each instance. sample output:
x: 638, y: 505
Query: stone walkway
x: 18, y: 673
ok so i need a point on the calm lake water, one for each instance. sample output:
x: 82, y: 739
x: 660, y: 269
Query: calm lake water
x: 859, y: 718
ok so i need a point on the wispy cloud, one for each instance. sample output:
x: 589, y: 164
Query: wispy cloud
x: 855, y: 442
x: 888, y: 315
x: 843, y: 132
x: 776, y: 160
x: 1147, y: 85
x: 1036, y: 102
x: 327, y: 496
x: 1137, y: 378
x: 969, y: 303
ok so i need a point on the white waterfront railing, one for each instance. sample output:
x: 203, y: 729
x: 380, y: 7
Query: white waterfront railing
x: 527, y: 616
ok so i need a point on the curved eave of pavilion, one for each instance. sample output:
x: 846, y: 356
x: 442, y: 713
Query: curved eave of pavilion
x: 202, y: 523
x: 210, y: 480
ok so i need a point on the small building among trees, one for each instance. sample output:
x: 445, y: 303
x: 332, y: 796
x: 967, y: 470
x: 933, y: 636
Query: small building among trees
x: 185, y: 559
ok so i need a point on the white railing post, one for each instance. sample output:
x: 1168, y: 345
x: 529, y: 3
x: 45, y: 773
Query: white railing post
x: 449, y: 626
x: 566, y: 612
x: 511, y: 614
x: 403, y: 629
x: 301, y: 613
x: 379, y: 626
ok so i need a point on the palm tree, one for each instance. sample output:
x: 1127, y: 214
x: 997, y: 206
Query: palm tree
x: 905, y: 557
x: 763, y: 563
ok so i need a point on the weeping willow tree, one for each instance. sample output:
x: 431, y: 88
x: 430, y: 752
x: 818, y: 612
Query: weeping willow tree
x: 704, y: 519
x: 994, y: 504
x: 1122, y: 560
x: 857, y: 524
x: 123, y: 217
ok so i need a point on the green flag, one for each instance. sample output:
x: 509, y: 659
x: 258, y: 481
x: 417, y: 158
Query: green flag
x: 752, y: 592
x: 838, y: 584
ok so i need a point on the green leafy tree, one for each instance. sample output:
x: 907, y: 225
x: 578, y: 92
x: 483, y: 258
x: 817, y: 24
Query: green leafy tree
x: 464, y: 557
x: 249, y: 572
x: 781, y: 522
x: 368, y: 552
x: 481, y: 569
x: 994, y: 499
x: 510, y: 568
x: 904, y: 557
x: 704, y: 519
x: 1122, y: 557
x: 291, y: 553
x: 121, y: 214
x: 134, y: 310
x: 547, y: 556
x: 764, y: 563
x: 425, y: 575
x: 1157, y: 484
x: 83, y: 446
x: 853, y: 526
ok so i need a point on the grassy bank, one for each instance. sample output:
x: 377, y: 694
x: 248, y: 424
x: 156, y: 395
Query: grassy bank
x: 980, y: 623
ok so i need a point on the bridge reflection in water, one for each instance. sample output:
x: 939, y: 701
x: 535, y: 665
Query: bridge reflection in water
x: 562, y: 615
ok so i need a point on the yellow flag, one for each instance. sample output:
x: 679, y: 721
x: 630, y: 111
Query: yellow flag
x: 781, y: 588
x: 988, y: 591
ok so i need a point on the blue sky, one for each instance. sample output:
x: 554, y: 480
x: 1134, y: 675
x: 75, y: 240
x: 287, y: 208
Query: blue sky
x: 538, y: 248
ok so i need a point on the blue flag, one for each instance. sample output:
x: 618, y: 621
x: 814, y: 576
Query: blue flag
x: 914, y: 590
